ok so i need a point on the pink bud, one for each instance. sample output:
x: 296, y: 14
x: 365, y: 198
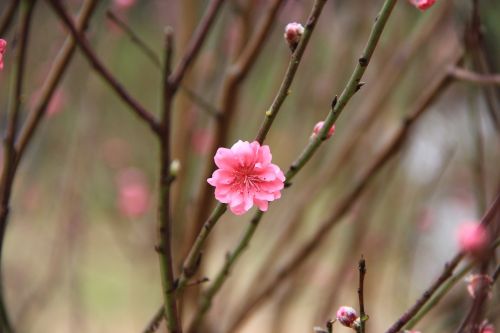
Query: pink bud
x: 317, y: 128
x: 347, y: 316
x: 3, y: 47
x: 293, y: 33
x: 476, y: 282
x: 423, y: 4
x: 472, y: 238
x: 412, y: 331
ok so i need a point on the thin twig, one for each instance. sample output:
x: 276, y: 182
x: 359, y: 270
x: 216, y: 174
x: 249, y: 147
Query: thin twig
x: 477, y: 78
x: 135, y: 38
x: 8, y: 172
x: 54, y: 77
x: 99, y: 67
x: 164, y: 216
x: 362, y: 313
x: 195, y: 43
x: 8, y: 16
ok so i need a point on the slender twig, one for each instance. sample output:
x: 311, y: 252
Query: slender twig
x: 99, y: 67
x: 164, y: 247
x: 155, y: 322
x: 208, y: 295
x: 195, y: 43
x: 345, y: 203
x: 477, y: 78
x: 7, y: 179
x: 135, y: 38
x: 362, y: 313
x: 54, y: 77
x: 8, y: 15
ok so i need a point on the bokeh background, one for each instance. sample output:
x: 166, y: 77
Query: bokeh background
x: 79, y: 253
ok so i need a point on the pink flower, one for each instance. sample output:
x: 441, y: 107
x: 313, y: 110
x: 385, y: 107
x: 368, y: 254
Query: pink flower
x: 133, y: 193
x: 317, y: 128
x: 347, y: 316
x: 477, y: 282
x: 472, y: 238
x: 423, y: 4
x: 293, y: 33
x: 246, y: 177
x: 3, y: 47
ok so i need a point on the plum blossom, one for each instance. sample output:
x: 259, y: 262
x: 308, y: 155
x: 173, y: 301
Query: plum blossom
x: 246, y: 177
x: 486, y: 327
x: 317, y: 128
x: 347, y: 316
x: 423, y: 4
x: 476, y: 282
x: 3, y: 47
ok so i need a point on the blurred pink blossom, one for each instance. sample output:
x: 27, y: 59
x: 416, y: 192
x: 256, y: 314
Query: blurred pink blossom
x: 475, y: 282
x: 317, y: 128
x: 472, y: 238
x: 56, y: 103
x: 246, y: 177
x: 423, y: 4
x: 116, y: 153
x: 133, y: 193
x: 124, y: 4
x: 3, y: 48
x: 347, y: 316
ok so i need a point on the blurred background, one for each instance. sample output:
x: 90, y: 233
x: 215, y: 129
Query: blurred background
x: 79, y: 253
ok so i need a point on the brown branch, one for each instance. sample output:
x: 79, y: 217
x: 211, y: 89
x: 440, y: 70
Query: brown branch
x: 54, y: 77
x: 470, y: 76
x: 361, y: 295
x: 8, y: 16
x: 99, y: 67
x: 8, y: 172
x: 389, y: 151
x: 164, y: 215
x: 195, y: 43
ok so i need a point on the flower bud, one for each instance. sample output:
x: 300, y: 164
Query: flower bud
x: 472, y: 238
x: 423, y: 4
x: 317, y: 128
x: 347, y: 316
x: 478, y: 282
x: 293, y: 33
x: 175, y: 167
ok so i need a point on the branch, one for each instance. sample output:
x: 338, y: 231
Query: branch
x: 8, y: 172
x: 99, y: 67
x: 195, y: 43
x: 362, y: 315
x: 164, y: 220
x: 470, y: 76
x: 8, y: 16
x: 54, y: 77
